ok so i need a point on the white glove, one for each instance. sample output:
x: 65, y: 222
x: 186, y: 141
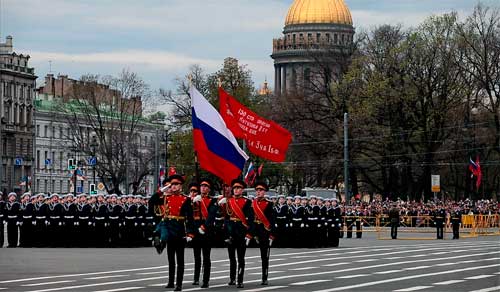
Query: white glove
x: 361, y: 224
x: 319, y: 225
x: 20, y: 223
x: 270, y: 242
x: 222, y: 201
x: 76, y: 223
x: 90, y: 223
x: 135, y: 224
x: 197, y: 199
x: 33, y: 222
x: 247, y: 241
x: 333, y: 225
x: 189, y: 239
x: 256, y: 240
x: 200, y: 230
x: 276, y: 225
x: 47, y: 222
x: 326, y: 223
x: 307, y: 225
x: 301, y: 225
x: 286, y: 225
x: 119, y: 225
x: 143, y: 224
x: 60, y: 223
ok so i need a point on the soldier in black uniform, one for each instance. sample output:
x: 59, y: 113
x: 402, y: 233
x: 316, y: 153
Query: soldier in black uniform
x: 349, y: 221
x: 84, y: 220
x: 26, y: 223
x: 55, y: 226
x: 70, y: 218
x: 115, y: 215
x: 41, y: 221
x: 282, y: 215
x: 439, y: 217
x: 456, y: 221
x: 100, y: 222
x: 336, y: 223
x: 264, y: 229
x: 240, y: 220
x: 13, y: 213
x: 394, y: 219
x: 130, y: 222
x: 142, y: 211
x: 205, y: 210
x: 313, y: 222
x: 2, y: 219
x: 359, y: 222
x: 323, y: 223
x: 297, y: 225
x: 176, y: 227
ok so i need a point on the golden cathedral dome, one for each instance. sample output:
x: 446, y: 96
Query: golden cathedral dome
x: 318, y: 11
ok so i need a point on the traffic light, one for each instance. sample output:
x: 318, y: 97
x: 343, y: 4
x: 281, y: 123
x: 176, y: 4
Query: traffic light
x: 93, y: 190
x: 71, y: 164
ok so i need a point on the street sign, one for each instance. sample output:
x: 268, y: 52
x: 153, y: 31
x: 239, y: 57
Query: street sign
x: 100, y: 186
x: 48, y: 161
x: 18, y: 161
x: 92, y: 161
x: 79, y: 189
x: 435, y: 185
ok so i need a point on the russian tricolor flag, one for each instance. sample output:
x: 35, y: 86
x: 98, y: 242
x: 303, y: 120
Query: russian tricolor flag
x: 217, y: 149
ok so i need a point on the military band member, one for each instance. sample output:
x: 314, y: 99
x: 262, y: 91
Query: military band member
x: 264, y: 229
x: 394, y: 218
x: 456, y: 221
x: 204, y: 209
x: 239, y: 219
x: 13, y: 209
x: 176, y: 227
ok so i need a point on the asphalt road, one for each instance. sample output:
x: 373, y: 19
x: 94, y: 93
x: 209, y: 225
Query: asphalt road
x: 367, y: 264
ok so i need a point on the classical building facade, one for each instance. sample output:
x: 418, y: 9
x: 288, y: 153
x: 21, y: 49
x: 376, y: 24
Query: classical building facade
x: 315, y: 31
x: 17, y: 90
x: 54, y: 142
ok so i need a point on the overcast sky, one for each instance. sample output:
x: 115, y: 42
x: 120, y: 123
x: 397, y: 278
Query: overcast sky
x: 160, y: 39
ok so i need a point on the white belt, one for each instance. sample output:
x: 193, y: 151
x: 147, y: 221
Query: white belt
x: 297, y: 219
x: 12, y: 217
x: 113, y: 217
x: 99, y: 218
x: 69, y: 217
x: 83, y: 218
x: 27, y: 217
x: 40, y: 217
x: 130, y: 217
x: 55, y: 217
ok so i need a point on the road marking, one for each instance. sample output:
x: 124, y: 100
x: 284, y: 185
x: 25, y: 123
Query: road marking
x: 121, y: 289
x: 449, y: 282
x: 405, y: 278
x: 367, y: 260
x: 479, y: 277
x: 270, y: 272
x: 417, y: 256
x: 335, y: 264
x: 413, y: 288
x: 394, y: 258
x: 309, y: 282
x: 304, y: 256
x: 416, y: 268
x: 48, y: 283
x: 438, y: 253
x: 488, y: 289
x: 388, y: 272
x: 405, y: 247
x: 106, y: 277
x: 301, y: 269
x: 266, y: 288
x: 467, y: 262
x: 352, y: 276
x: 444, y: 264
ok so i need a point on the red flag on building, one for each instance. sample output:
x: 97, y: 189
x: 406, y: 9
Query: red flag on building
x: 264, y: 138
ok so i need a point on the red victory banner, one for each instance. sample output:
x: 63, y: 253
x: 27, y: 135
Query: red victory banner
x: 264, y: 138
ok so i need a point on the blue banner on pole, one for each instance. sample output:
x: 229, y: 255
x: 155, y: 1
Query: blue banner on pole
x: 92, y: 161
x: 48, y: 161
x: 18, y: 161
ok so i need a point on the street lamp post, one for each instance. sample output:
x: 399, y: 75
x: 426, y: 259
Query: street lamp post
x: 93, y: 145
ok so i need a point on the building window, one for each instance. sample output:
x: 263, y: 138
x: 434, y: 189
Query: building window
x: 46, y: 185
x: 38, y: 159
x: 38, y: 130
x: 60, y: 132
x: 53, y: 132
x: 45, y: 158
x: 61, y: 155
x: 318, y: 37
x: 335, y: 38
x: 45, y: 131
x: 37, y: 185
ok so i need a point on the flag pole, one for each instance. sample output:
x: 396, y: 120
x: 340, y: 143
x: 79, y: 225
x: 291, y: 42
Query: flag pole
x: 196, y: 163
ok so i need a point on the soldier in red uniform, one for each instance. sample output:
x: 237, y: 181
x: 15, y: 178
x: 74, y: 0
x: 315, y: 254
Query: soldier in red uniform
x: 239, y: 223
x: 176, y: 227
x: 204, y: 209
x: 264, y: 226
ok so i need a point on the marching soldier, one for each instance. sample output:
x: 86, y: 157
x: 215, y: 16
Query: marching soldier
x: 313, y: 222
x: 26, y: 224
x: 84, y: 220
x: 334, y: 214
x: 41, y: 220
x: 282, y: 215
x: 100, y: 221
x: 130, y: 222
x: 141, y: 223
x: 394, y: 218
x: 439, y: 217
x: 56, y: 212
x: 13, y: 209
x: 176, y: 227
x: 322, y: 227
x: 264, y: 226
x: 204, y: 209
x: 240, y: 219
x: 456, y: 221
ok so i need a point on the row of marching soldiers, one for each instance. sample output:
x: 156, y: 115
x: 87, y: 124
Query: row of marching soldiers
x: 83, y: 221
x: 200, y: 220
